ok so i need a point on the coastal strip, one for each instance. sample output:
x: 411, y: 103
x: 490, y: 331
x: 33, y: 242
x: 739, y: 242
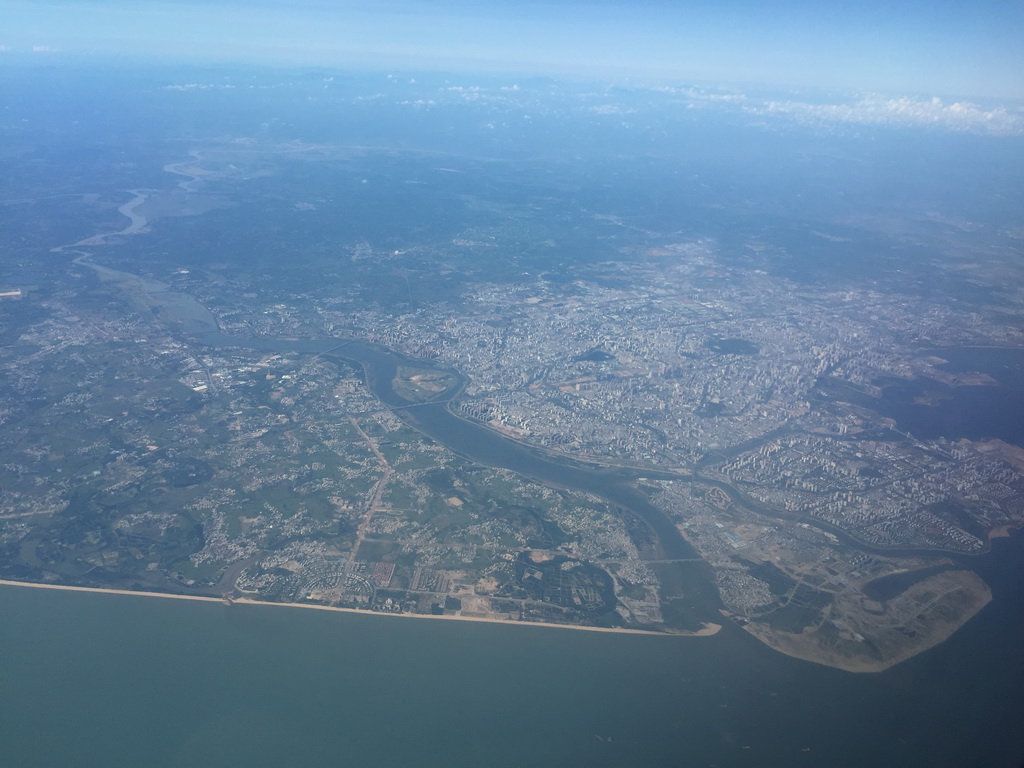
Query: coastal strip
x: 706, y: 629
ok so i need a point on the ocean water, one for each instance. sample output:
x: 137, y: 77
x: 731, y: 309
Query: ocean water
x: 107, y: 680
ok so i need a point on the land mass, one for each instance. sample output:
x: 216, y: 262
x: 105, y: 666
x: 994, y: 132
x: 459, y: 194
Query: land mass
x: 684, y: 435
x: 861, y: 635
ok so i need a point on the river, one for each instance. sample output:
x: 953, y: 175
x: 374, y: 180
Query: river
x: 104, y: 680
x: 682, y: 575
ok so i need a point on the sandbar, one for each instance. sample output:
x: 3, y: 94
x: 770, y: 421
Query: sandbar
x: 706, y: 630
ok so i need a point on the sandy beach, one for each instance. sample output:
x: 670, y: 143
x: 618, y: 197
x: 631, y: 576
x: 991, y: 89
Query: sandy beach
x: 705, y: 631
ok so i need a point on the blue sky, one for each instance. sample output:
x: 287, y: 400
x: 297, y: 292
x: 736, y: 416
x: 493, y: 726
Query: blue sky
x: 939, y: 47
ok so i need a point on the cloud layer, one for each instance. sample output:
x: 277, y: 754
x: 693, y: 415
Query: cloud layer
x: 907, y: 111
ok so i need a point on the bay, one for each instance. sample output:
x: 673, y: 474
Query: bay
x: 971, y: 412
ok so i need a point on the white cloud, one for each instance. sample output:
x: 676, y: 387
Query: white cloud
x: 880, y: 110
x: 206, y: 86
x: 869, y: 109
x: 611, y: 109
x: 699, y: 96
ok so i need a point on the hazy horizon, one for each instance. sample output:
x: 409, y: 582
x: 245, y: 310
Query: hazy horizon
x: 941, y: 49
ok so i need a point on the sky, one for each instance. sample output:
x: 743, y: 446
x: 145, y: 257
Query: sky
x: 939, y: 47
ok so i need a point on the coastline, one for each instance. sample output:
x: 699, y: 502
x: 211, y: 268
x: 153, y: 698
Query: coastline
x: 707, y: 630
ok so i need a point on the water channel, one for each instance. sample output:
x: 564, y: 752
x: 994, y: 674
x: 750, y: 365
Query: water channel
x: 685, y: 579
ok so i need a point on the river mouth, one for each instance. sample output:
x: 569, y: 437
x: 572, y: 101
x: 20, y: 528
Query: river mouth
x: 653, y: 532
x: 687, y: 585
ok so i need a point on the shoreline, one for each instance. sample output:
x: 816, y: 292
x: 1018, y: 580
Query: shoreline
x: 707, y: 630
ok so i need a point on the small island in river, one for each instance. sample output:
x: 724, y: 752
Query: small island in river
x: 420, y: 385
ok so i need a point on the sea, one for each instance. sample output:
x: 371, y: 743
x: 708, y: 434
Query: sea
x: 89, y: 679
